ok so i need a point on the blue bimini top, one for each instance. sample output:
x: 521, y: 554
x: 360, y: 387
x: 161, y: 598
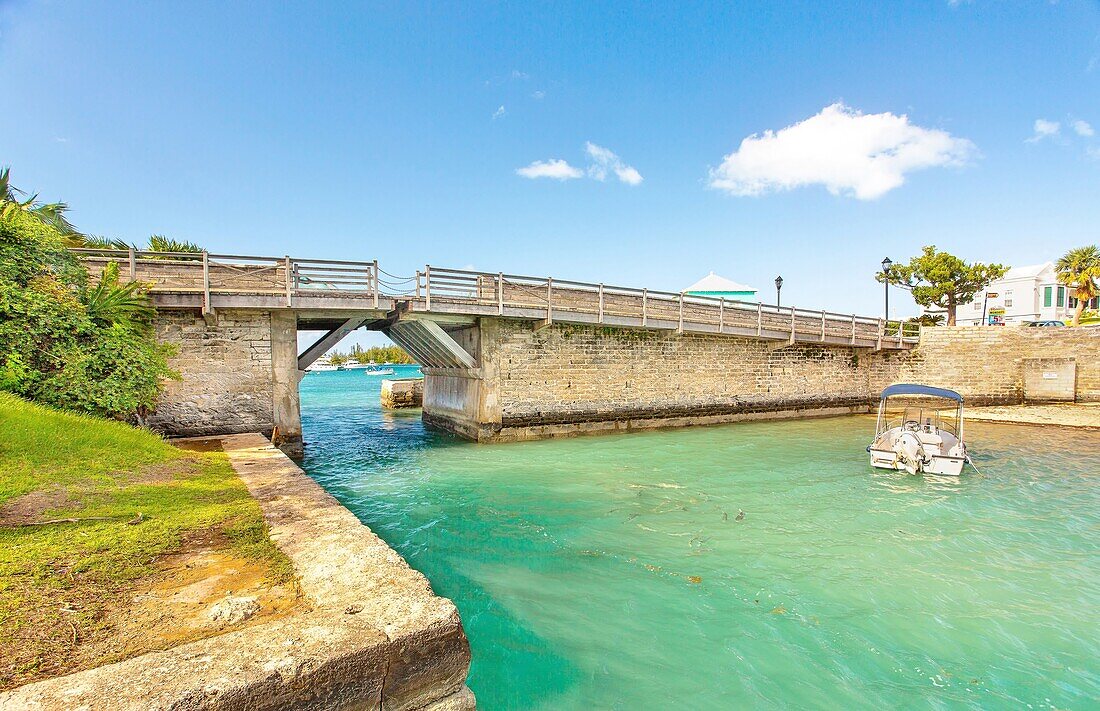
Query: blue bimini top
x: 914, y: 389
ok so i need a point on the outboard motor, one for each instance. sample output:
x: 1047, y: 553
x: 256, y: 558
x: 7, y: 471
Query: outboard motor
x: 910, y: 452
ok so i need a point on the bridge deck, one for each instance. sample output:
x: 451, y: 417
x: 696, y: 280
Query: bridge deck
x: 327, y: 291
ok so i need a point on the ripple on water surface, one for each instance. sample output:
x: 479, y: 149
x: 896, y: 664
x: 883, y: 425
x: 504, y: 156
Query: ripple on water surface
x: 616, y: 572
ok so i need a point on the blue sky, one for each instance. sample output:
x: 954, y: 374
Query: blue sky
x: 377, y: 132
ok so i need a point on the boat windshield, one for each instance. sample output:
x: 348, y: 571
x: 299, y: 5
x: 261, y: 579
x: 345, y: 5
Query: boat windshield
x: 920, y: 415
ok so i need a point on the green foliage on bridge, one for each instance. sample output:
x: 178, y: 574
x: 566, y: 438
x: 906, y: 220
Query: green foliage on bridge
x: 63, y: 342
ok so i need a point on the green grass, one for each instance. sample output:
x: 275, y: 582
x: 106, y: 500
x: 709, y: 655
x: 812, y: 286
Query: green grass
x: 96, y: 468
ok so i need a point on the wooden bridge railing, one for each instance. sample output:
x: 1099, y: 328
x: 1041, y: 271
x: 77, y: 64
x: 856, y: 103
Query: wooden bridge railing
x: 483, y: 293
x: 610, y: 304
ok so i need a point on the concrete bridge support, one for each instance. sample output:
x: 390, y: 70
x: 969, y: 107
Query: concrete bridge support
x: 285, y: 376
x: 239, y: 373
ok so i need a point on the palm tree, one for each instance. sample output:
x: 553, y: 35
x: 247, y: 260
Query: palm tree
x: 1080, y: 269
x: 50, y: 213
x: 111, y: 302
x: 160, y: 243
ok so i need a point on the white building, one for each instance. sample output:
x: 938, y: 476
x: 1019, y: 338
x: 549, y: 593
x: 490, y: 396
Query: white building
x: 1023, y: 294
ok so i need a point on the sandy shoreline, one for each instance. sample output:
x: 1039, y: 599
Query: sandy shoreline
x: 1058, y: 415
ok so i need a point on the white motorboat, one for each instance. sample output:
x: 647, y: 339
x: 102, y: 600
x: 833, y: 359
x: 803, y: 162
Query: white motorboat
x: 378, y: 371
x: 322, y: 364
x: 919, y: 430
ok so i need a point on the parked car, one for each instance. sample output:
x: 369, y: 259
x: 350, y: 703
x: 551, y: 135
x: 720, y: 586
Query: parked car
x: 1045, y: 324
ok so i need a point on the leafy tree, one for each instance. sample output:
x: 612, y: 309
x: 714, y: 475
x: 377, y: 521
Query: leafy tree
x: 50, y: 213
x: 381, y: 354
x: 64, y: 343
x: 338, y: 358
x: 940, y: 279
x: 1080, y: 269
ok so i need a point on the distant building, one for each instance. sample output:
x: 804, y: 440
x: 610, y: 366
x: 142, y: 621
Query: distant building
x: 1023, y: 294
x: 714, y: 285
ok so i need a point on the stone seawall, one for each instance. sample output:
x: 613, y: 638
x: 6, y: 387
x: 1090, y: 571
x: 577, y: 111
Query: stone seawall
x: 565, y: 379
x: 989, y: 365
x: 371, y: 635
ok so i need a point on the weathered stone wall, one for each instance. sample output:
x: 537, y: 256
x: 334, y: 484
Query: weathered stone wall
x: 568, y: 379
x: 572, y: 373
x: 227, y: 375
x: 987, y: 364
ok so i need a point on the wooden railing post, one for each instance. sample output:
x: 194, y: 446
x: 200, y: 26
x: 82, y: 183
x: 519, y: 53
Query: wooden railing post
x: 601, y: 303
x: 721, y: 314
x: 822, y: 326
x: 133, y: 264
x: 289, y: 283
x: 549, y: 307
x: 500, y: 293
x: 881, y: 333
x: 645, y: 298
x: 853, y: 329
x: 759, y: 317
x: 205, y: 282
x: 680, y: 325
x: 428, y: 287
x: 376, y: 287
x: 792, y: 326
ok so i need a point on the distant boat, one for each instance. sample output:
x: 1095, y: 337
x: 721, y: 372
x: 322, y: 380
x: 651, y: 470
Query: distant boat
x: 377, y: 371
x: 321, y: 364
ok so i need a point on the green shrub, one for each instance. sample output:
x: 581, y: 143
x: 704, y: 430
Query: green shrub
x: 63, y: 343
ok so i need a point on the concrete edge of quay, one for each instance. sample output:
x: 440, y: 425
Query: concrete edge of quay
x: 371, y: 635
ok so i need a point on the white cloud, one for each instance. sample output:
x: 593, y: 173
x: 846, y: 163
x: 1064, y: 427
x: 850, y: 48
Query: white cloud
x: 517, y: 74
x: 850, y: 153
x: 603, y: 161
x: 1045, y: 129
x: 499, y: 113
x: 1082, y: 128
x: 554, y: 168
x: 540, y: 94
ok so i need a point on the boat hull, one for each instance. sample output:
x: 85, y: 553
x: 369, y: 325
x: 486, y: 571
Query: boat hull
x: 937, y: 464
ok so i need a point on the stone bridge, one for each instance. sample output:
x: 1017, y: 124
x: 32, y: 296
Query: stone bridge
x: 504, y: 356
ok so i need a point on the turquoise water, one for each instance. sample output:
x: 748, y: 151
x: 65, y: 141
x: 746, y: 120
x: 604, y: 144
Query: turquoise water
x: 613, y: 572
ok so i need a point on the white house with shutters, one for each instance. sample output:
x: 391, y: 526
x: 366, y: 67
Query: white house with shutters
x: 1023, y: 294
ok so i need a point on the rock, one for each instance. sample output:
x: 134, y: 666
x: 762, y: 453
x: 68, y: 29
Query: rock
x: 233, y: 609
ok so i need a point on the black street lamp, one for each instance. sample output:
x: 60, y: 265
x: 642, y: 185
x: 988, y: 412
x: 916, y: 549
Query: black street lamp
x: 886, y: 287
x: 778, y: 286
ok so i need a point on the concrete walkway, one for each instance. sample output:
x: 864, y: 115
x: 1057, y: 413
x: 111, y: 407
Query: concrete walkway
x: 1086, y: 415
x: 372, y: 636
